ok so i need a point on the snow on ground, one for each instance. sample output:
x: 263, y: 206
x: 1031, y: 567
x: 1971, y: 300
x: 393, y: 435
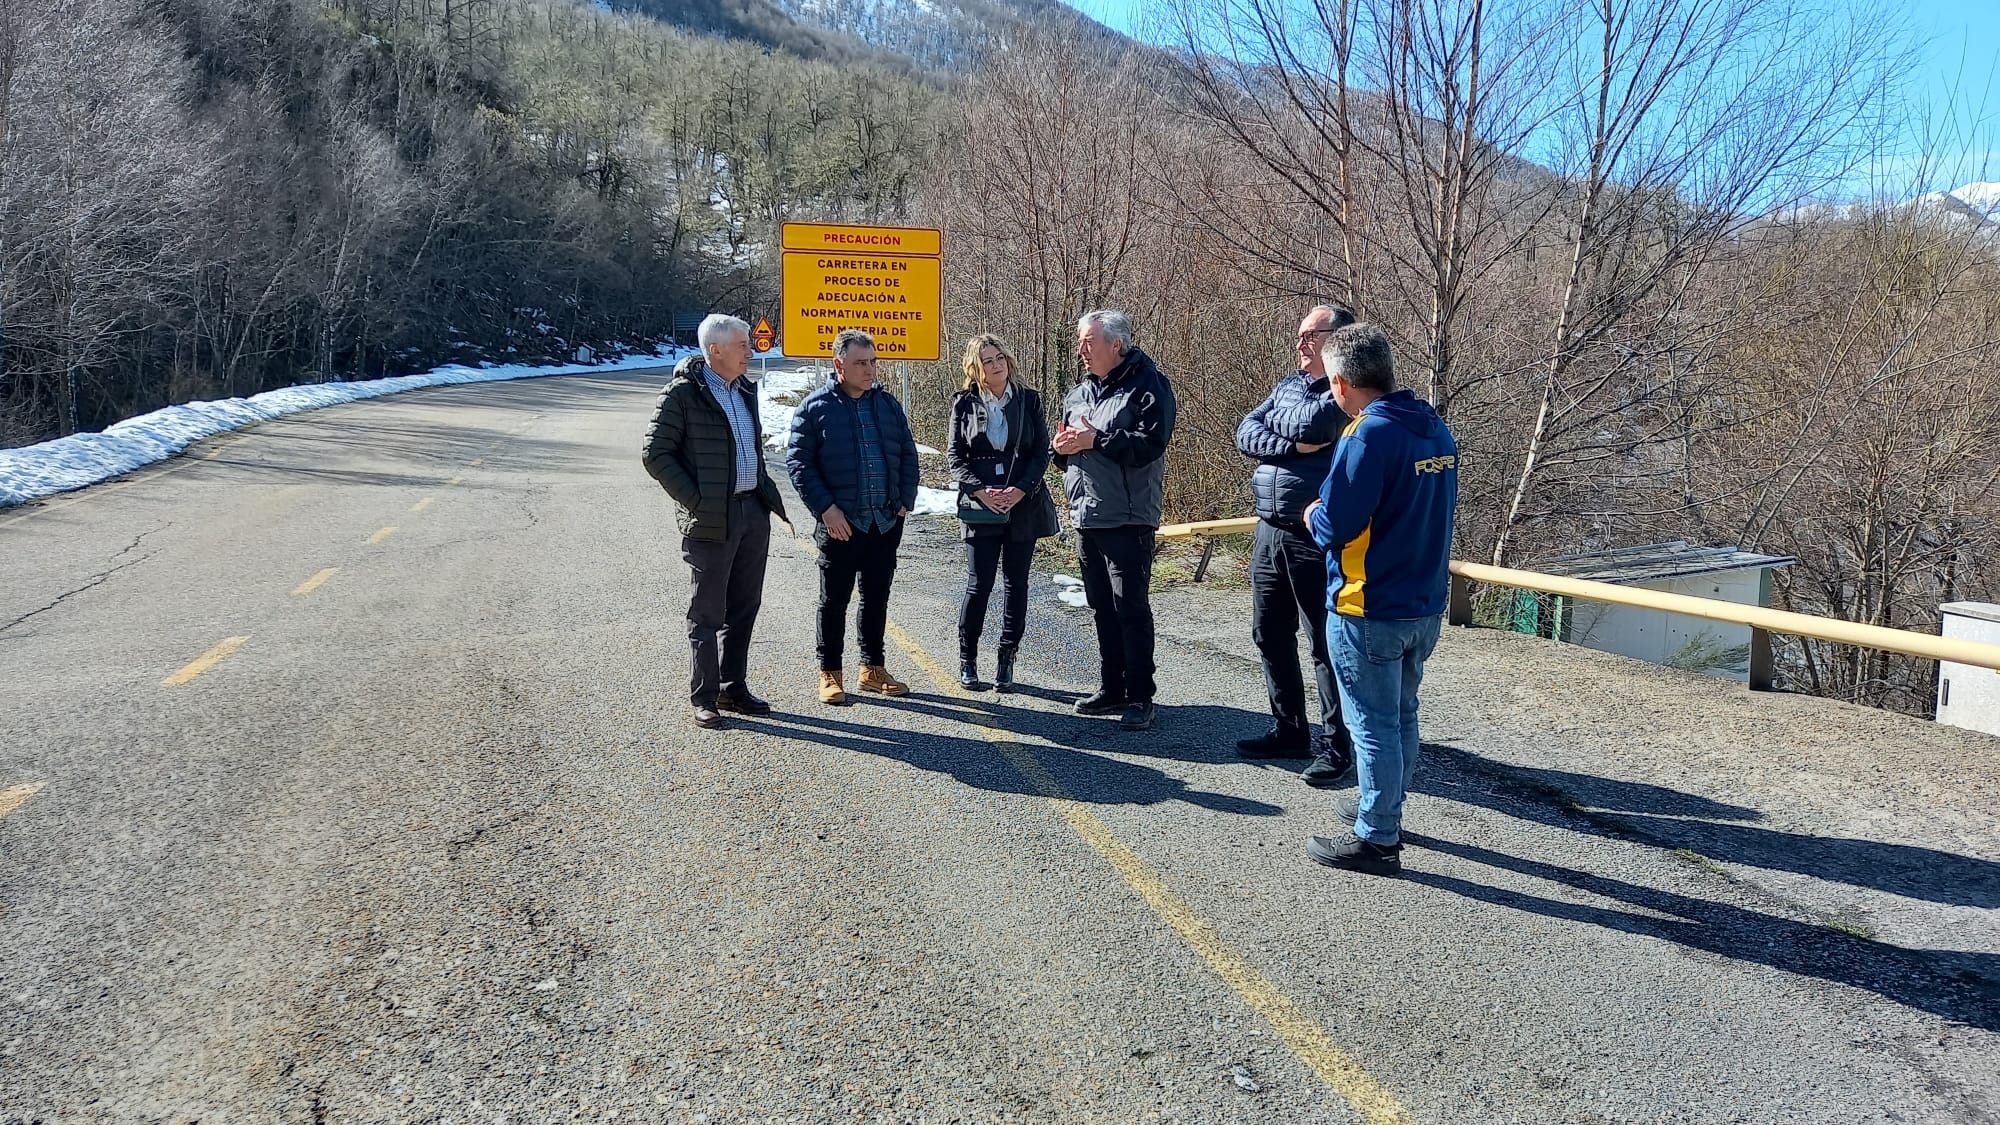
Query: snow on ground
x: 778, y: 395
x: 80, y: 460
x: 936, y: 501
x: 1069, y: 590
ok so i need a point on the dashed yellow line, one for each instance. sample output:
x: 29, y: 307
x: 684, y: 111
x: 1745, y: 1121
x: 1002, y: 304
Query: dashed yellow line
x: 315, y: 582
x: 1369, y: 1099
x: 422, y: 504
x: 204, y: 662
x: 14, y: 796
x: 382, y: 534
x: 453, y: 481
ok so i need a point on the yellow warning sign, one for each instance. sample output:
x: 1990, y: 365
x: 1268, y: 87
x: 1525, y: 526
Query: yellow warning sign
x: 920, y: 242
x: 886, y: 281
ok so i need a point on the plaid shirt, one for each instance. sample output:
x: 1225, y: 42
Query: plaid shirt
x: 742, y: 427
x: 875, y: 513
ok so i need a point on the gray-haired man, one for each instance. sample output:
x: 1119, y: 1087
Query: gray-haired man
x: 706, y: 448
x: 1112, y: 447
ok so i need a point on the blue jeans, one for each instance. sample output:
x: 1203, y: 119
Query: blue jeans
x: 1379, y: 665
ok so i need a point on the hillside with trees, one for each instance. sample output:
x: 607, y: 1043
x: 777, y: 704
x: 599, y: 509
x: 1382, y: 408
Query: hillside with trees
x: 203, y: 198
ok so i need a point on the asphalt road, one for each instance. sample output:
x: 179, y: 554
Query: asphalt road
x: 346, y: 776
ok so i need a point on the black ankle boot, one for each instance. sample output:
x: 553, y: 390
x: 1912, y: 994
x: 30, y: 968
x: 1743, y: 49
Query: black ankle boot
x: 1003, y: 676
x: 968, y: 674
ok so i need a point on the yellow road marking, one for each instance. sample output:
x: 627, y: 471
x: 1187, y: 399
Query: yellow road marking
x: 14, y: 796
x: 204, y: 662
x: 453, y: 481
x: 422, y: 504
x: 1369, y: 1098
x: 315, y: 582
x: 382, y: 534
x: 476, y: 461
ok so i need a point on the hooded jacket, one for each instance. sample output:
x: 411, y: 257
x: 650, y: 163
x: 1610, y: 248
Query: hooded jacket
x: 1122, y: 479
x: 691, y: 451
x: 1299, y: 410
x: 1386, y: 512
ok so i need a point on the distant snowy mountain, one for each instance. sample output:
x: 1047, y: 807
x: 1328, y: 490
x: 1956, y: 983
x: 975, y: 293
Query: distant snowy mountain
x: 1977, y: 203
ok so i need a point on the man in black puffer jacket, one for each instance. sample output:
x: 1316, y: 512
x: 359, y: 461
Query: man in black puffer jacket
x: 1291, y: 436
x: 706, y: 448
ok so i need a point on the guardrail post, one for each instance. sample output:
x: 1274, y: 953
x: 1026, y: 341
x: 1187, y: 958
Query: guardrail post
x: 1458, y: 602
x: 1763, y: 665
x: 1207, y: 551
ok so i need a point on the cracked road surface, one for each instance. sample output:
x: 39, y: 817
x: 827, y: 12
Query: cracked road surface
x: 296, y: 826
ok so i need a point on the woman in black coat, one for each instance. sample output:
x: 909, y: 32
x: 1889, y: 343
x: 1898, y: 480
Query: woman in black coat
x: 999, y: 453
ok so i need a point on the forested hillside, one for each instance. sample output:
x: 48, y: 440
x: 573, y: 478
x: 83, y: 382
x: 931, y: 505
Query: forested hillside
x: 213, y: 197
x: 1591, y: 230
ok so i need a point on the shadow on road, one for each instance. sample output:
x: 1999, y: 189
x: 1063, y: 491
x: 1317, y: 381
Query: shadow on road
x: 1957, y: 985
x: 1671, y: 819
x: 1084, y: 776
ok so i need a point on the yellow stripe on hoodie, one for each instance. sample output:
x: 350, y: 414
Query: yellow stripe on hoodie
x: 1353, y: 559
x: 1354, y: 575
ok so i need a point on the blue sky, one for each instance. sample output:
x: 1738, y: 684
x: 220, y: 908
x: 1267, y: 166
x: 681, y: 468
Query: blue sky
x: 1958, y: 77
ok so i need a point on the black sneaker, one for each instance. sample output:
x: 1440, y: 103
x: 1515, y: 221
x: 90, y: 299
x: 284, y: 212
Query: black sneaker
x: 1354, y: 854
x: 1332, y: 768
x: 1348, y: 809
x: 1275, y: 743
x: 1101, y: 702
x: 1137, y: 716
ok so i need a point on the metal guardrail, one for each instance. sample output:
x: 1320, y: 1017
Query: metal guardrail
x: 1763, y: 622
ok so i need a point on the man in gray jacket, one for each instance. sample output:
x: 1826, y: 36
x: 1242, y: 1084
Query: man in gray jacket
x: 1112, y: 447
x: 1291, y: 436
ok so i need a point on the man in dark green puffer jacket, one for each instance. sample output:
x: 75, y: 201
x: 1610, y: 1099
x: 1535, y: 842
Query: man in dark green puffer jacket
x: 706, y: 448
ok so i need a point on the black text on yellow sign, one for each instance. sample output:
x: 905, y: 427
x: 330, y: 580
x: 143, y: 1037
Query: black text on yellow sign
x: 895, y: 297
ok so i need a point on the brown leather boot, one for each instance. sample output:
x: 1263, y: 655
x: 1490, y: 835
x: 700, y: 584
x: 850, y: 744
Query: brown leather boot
x: 830, y: 688
x: 874, y: 677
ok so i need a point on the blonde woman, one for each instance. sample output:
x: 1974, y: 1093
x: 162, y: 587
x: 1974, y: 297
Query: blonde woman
x: 999, y: 454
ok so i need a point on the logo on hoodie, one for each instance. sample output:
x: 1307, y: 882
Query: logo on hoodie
x: 1437, y: 464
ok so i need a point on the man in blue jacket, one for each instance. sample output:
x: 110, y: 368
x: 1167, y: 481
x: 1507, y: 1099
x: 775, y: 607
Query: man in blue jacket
x: 1291, y: 436
x: 1385, y: 517
x: 854, y: 461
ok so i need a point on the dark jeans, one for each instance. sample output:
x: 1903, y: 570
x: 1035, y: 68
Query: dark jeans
x: 870, y: 556
x: 985, y: 554
x: 1287, y: 581
x: 1117, y: 571
x: 728, y: 590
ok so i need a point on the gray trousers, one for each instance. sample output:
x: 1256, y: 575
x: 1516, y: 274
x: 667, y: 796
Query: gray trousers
x: 727, y: 591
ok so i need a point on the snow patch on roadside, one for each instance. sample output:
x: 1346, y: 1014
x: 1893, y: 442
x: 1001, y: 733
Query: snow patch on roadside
x: 80, y: 460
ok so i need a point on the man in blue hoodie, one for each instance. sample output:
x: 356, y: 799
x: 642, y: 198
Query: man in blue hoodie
x: 1385, y: 518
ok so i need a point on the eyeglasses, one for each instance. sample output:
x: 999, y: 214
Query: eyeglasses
x: 1304, y: 336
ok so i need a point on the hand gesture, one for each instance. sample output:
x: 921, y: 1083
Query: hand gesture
x: 1075, y: 439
